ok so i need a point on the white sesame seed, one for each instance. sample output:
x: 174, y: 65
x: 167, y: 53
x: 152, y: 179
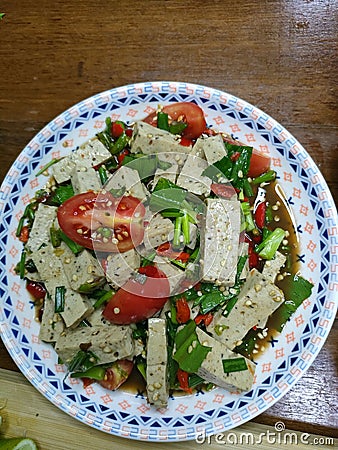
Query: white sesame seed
x: 258, y: 287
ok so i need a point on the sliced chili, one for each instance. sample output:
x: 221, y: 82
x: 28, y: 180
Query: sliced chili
x: 182, y: 310
x: 183, y: 379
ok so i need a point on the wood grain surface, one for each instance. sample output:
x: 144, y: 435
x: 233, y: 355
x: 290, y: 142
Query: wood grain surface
x: 278, y: 55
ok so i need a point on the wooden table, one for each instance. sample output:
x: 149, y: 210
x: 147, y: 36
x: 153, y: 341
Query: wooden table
x: 278, y: 55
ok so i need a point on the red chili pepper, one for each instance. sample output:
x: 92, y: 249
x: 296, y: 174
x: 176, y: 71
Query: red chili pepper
x: 87, y: 382
x: 116, y: 129
x: 185, y: 142
x: 235, y: 156
x: 122, y: 155
x: 260, y: 215
x: 149, y: 271
x: 24, y: 234
x: 163, y: 248
x: 183, y: 379
x: 182, y: 310
x: 205, y: 318
x: 253, y: 257
x: 37, y: 290
x: 166, y: 249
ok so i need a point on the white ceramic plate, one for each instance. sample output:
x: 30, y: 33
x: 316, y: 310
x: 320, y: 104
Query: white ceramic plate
x: 288, y: 355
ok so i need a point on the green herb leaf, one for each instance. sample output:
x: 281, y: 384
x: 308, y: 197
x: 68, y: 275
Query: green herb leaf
x: 95, y: 373
x: 189, y: 352
x: 162, y: 121
x: 61, y: 194
x: 233, y: 168
x: 146, y: 165
x: 210, y: 301
x: 298, y: 290
x: 82, y: 361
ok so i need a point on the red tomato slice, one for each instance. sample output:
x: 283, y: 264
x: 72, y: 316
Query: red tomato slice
x: 139, y: 298
x: 183, y: 112
x: 103, y: 222
x: 117, y: 374
x: 259, y: 163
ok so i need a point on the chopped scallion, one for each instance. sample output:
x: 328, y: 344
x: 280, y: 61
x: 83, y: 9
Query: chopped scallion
x: 59, y: 299
x: 22, y: 265
x: 234, y: 365
x: 49, y: 164
x: 266, y: 177
x: 103, y: 299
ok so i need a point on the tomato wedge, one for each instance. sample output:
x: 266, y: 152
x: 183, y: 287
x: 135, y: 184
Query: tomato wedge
x: 139, y: 298
x: 103, y: 222
x: 117, y: 374
x: 259, y: 163
x: 186, y: 112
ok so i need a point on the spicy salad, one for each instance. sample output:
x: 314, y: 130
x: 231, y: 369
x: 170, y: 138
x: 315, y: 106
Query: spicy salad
x: 158, y: 247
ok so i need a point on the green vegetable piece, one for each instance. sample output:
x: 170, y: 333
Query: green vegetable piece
x: 177, y: 233
x: 103, y: 299
x: 87, y: 288
x: 249, y: 222
x: 234, y: 166
x: 177, y: 127
x: 59, y: 299
x: 119, y: 144
x: 22, y: 265
x: 298, y: 290
x: 167, y: 199
x: 189, y: 352
x: 95, y: 373
x: 82, y: 361
x: 210, y: 301
x: 146, y: 165
x: 103, y: 174
x: 55, y: 237
x: 49, y: 164
x: 186, y: 228
x: 230, y: 304
x: 268, y: 248
x: 20, y: 226
x: 234, y: 365
x: 266, y: 177
x: 61, y: 194
x: 141, y: 366
x: 74, y: 247
x: 162, y: 121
